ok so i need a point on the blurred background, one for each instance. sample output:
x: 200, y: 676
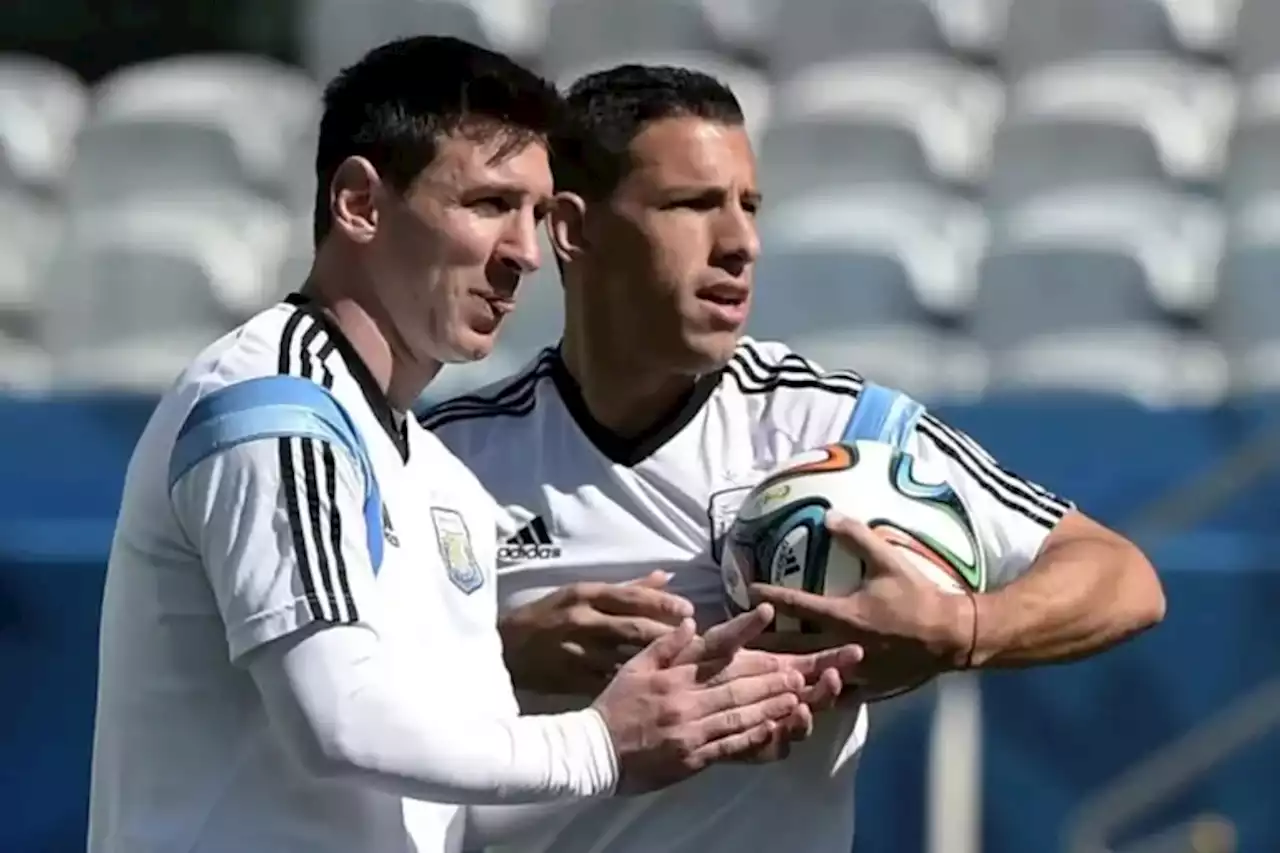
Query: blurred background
x: 1056, y: 221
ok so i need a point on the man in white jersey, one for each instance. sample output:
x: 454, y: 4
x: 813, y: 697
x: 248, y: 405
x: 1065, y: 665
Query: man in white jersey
x: 628, y: 447
x: 299, y: 624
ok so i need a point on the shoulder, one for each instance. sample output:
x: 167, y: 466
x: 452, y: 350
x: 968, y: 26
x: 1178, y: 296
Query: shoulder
x: 769, y: 367
x: 513, y: 397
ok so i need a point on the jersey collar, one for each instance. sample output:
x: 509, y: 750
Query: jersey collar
x: 392, y: 422
x: 630, y: 450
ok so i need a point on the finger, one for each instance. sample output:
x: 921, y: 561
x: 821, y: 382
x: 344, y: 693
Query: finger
x: 830, y: 614
x: 740, y: 745
x: 744, y: 692
x: 878, y: 555
x: 844, y: 658
x: 824, y: 692
x: 653, y: 580
x: 725, y: 639
x: 745, y: 664
x: 637, y: 600
x: 795, y: 642
x: 626, y: 630
x: 662, y: 652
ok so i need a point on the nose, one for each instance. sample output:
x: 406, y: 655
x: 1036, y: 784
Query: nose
x: 519, y: 248
x: 737, y: 242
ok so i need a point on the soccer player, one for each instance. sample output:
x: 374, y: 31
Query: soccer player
x: 299, y: 624
x: 627, y: 448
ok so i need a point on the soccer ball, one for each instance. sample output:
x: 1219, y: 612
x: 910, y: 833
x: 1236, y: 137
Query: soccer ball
x: 779, y: 536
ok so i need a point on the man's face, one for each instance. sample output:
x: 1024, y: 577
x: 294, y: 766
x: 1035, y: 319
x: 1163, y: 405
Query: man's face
x: 450, y: 251
x: 676, y: 243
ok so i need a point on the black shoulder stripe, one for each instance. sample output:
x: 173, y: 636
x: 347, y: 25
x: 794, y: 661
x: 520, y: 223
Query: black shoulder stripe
x: 307, y: 466
x: 514, y: 399
x: 755, y: 375
x: 1009, y: 489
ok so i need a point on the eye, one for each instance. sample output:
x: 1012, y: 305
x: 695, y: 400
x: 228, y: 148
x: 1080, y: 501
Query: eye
x: 493, y: 204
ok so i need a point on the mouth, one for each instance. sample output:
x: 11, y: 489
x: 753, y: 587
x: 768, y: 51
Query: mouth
x: 725, y: 295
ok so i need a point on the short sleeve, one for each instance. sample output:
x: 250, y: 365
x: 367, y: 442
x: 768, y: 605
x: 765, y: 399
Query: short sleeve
x: 1012, y: 515
x: 279, y: 526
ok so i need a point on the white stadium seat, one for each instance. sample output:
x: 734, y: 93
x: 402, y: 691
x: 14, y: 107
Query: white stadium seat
x: 588, y: 34
x: 1247, y: 316
x: 748, y: 85
x: 1064, y: 318
x: 41, y: 107
x: 951, y: 107
x: 1187, y: 109
x: 195, y: 121
x: 938, y: 238
x: 1030, y: 156
x: 1177, y: 240
x: 1048, y: 32
x: 134, y: 292
x: 29, y: 234
x: 820, y: 31
x: 800, y: 157
x: 336, y: 33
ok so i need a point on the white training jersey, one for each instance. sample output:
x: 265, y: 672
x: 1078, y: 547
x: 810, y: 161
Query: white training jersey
x: 184, y: 758
x: 594, y: 507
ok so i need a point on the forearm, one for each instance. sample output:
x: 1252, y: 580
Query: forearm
x: 1082, y: 595
x: 347, y: 712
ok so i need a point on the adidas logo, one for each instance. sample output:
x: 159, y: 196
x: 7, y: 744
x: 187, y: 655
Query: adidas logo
x: 531, y: 542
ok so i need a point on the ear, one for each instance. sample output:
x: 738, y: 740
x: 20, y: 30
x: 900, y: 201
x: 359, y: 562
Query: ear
x: 353, y: 196
x: 566, y: 224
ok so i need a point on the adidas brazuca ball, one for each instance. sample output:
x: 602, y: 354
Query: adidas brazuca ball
x: 779, y: 535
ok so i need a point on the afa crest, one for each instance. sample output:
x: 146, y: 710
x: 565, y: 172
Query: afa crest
x: 455, y: 549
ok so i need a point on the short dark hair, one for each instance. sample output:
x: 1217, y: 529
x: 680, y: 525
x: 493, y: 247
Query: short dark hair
x: 393, y: 106
x: 608, y: 109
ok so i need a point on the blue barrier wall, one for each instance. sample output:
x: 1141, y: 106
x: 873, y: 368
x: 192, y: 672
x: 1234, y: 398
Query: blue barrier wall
x: 1053, y: 736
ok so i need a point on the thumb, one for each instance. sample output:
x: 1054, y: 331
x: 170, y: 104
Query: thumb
x: 662, y: 652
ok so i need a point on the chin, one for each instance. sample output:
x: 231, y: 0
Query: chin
x: 468, y: 345
x: 709, y: 351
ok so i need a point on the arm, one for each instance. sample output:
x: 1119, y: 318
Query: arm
x: 1087, y: 590
x: 1060, y: 586
x: 279, y: 524
x: 347, y: 712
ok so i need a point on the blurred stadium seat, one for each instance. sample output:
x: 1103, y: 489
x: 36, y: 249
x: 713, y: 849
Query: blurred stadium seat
x: 1187, y: 109
x: 41, y: 107
x: 819, y: 31
x: 938, y: 238
x: 951, y: 107
x: 1045, y: 32
x: 588, y: 34
x: 1257, y: 48
x: 1031, y: 156
x: 134, y: 292
x: 801, y: 156
x: 1077, y: 318
x: 335, y: 33
x: 1177, y: 239
x: 194, y: 122
x: 1247, y: 320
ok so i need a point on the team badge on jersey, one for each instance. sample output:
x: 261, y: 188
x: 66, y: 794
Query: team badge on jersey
x: 455, y: 549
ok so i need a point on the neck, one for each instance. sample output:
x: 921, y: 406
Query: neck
x: 624, y: 393
x: 345, y: 298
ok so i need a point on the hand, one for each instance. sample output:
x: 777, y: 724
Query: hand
x: 911, y: 629
x: 824, y: 679
x: 575, y: 639
x: 687, y: 701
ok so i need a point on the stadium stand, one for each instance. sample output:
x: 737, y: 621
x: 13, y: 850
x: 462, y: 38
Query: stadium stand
x: 1057, y: 221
